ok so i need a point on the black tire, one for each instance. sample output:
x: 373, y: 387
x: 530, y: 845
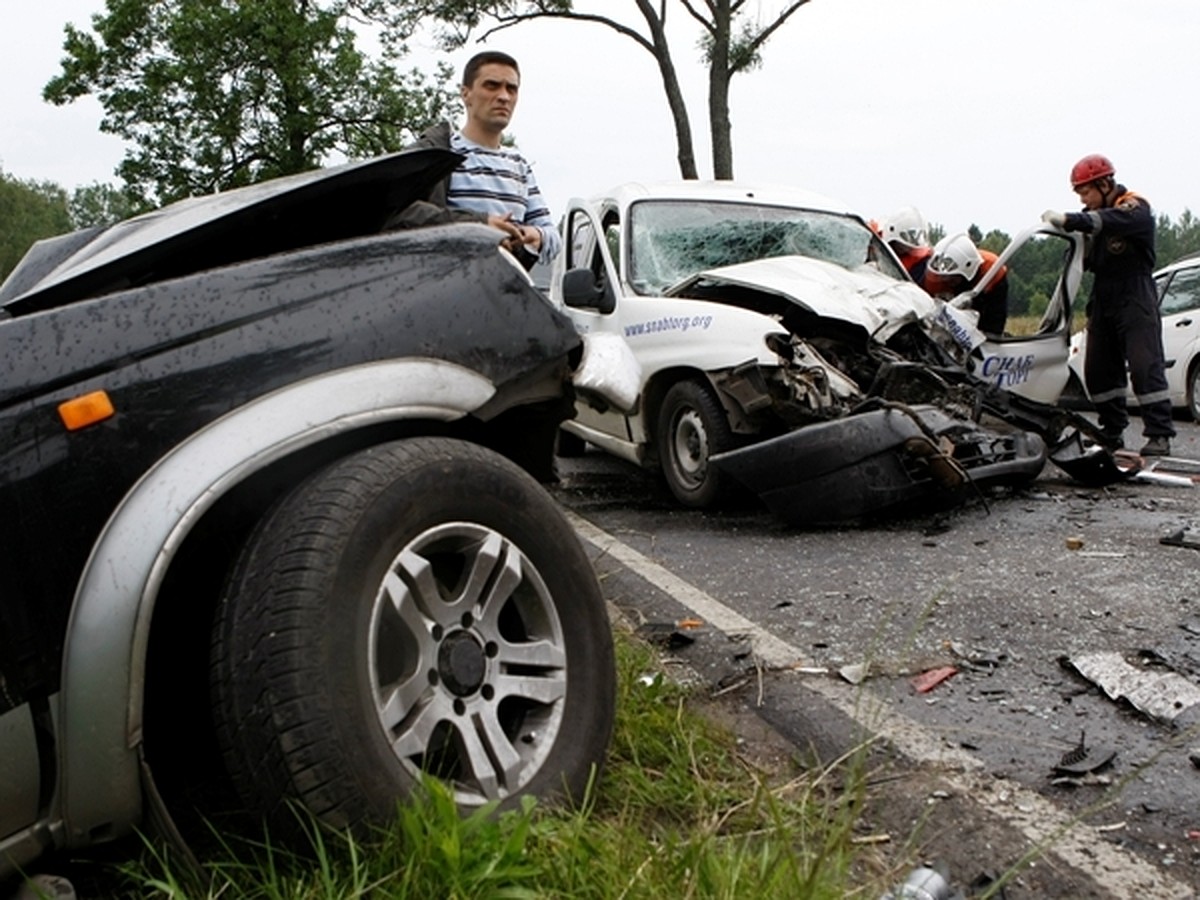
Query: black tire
x: 569, y: 445
x: 1193, y: 390
x: 420, y: 606
x: 691, y: 429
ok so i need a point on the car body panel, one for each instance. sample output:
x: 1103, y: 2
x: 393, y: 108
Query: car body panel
x: 18, y: 749
x: 1034, y: 367
x: 243, y: 340
x: 110, y: 620
x: 864, y: 297
x: 201, y: 232
x: 671, y: 334
x: 777, y: 335
x: 1180, y: 307
x: 1179, y: 304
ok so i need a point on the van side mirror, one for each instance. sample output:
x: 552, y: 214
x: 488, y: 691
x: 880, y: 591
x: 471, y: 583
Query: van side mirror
x: 582, y: 290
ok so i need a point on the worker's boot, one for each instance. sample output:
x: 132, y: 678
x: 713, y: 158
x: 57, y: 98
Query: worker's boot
x: 1158, y: 445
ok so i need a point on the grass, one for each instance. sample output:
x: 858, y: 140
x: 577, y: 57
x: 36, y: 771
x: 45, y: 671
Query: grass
x: 1022, y: 325
x: 678, y: 813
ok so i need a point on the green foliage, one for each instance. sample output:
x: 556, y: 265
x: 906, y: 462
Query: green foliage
x: 100, y: 204
x: 29, y: 211
x: 1176, y: 240
x: 214, y: 94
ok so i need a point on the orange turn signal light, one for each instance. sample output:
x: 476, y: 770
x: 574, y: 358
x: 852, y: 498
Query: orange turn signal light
x: 79, y: 412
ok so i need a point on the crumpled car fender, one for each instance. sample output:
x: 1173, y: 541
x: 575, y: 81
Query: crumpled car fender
x: 609, y: 371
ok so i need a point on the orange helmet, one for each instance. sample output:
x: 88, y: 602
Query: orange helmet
x: 1090, y: 168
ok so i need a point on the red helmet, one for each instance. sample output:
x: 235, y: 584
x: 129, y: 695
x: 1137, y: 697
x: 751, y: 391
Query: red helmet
x: 1090, y: 168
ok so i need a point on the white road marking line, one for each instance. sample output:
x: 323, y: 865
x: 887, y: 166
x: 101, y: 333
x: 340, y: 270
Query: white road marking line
x: 1076, y: 843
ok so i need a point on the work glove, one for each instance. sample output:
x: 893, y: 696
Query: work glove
x: 1057, y: 219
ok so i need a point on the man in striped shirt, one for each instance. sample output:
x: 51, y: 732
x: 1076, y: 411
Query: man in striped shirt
x: 494, y: 183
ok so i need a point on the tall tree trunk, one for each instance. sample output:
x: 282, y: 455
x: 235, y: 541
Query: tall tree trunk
x: 685, y: 151
x: 720, y: 128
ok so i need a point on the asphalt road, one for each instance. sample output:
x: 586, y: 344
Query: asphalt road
x: 1005, y: 593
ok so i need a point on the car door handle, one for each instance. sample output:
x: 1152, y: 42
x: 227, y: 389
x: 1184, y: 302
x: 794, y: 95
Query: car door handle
x: 1183, y: 323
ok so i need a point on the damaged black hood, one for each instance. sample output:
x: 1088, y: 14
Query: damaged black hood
x: 220, y: 229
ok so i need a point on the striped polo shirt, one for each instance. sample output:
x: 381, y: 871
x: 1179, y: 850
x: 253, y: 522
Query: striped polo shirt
x: 499, y: 181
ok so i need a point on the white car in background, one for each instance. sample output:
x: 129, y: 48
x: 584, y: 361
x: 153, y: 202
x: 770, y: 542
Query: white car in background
x: 1179, y: 301
x: 782, y: 347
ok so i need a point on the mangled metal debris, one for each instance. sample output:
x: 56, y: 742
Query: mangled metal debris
x: 1162, y: 695
x: 1184, y: 537
x: 1084, y: 760
x: 879, y: 461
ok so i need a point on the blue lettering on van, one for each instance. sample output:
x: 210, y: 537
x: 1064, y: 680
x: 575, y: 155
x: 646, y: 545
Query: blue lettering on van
x: 1008, y: 371
x: 668, y: 323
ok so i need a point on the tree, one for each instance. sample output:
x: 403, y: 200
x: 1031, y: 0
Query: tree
x: 215, y: 94
x: 1176, y: 240
x: 100, y: 204
x: 732, y: 41
x: 30, y: 211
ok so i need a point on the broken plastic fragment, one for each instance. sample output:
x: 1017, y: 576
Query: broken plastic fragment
x: 1184, y: 537
x: 927, y: 681
x: 1164, y: 479
x: 855, y: 673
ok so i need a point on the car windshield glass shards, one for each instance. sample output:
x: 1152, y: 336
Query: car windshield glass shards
x: 672, y: 240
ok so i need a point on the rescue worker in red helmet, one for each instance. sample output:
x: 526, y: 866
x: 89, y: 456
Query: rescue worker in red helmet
x: 956, y: 266
x: 1124, y: 325
x: 907, y: 233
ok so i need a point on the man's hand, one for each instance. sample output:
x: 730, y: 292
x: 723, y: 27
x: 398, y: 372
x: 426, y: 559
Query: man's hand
x: 505, y: 223
x: 1057, y: 219
x: 516, y: 234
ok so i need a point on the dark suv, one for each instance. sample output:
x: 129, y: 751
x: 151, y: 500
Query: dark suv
x: 269, y: 514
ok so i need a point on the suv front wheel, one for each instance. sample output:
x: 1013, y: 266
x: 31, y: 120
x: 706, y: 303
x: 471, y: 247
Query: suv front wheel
x: 419, y: 607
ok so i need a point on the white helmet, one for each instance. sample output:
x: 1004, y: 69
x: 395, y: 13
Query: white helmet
x: 956, y: 255
x: 906, y: 227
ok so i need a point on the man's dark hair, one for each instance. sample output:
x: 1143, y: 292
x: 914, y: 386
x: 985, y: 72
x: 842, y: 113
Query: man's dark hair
x: 486, y: 58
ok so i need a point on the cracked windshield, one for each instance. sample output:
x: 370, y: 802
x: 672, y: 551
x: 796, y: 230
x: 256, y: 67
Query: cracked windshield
x: 672, y: 241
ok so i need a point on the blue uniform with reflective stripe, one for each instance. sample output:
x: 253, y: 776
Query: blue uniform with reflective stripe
x: 1124, y: 325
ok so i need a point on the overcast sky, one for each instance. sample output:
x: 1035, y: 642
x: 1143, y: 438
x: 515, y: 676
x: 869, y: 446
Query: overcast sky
x: 971, y: 110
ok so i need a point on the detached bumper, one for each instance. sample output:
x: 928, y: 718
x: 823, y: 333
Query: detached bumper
x: 880, y: 462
